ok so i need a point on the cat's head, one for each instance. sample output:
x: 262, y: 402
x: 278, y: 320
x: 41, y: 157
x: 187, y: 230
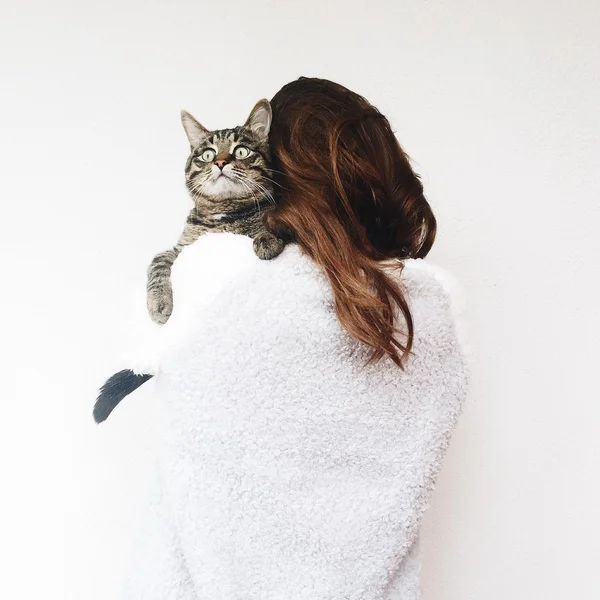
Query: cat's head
x: 230, y: 164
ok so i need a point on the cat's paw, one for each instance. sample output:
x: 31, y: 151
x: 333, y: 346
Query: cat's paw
x: 160, y: 305
x: 267, y: 246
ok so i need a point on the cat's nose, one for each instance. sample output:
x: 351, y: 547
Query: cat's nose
x: 220, y: 163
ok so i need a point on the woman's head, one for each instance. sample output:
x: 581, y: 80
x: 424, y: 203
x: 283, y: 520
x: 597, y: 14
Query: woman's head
x: 350, y: 199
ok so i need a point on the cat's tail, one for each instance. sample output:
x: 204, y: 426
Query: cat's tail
x: 115, y: 388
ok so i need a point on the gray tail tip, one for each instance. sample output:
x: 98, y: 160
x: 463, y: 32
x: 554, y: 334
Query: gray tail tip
x: 115, y: 388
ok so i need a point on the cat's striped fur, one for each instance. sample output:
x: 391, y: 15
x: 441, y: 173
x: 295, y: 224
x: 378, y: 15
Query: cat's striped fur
x: 230, y: 193
x: 229, y: 178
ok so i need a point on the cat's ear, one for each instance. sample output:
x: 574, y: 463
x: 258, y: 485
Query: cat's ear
x: 194, y: 131
x: 259, y: 120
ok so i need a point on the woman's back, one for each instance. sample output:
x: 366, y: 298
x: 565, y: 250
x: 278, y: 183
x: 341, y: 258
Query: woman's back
x: 289, y: 469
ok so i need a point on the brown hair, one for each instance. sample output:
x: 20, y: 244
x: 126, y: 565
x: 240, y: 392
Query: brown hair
x: 350, y: 199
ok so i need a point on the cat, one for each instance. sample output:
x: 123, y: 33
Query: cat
x: 229, y: 177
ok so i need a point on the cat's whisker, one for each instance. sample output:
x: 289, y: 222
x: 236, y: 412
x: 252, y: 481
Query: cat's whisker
x: 252, y: 195
x: 258, y: 186
x: 245, y: 183
x: 252, y: 185
x: 197, y: 188
x: 261, y: 176
x: 255, y: 190
x: 272, y: 181
x: 261, y: 192
x: 264, y: 191
x: 239, y: 179
x: 246, y: 186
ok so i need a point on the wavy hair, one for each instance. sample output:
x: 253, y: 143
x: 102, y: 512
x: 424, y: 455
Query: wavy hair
x: 350, y: 199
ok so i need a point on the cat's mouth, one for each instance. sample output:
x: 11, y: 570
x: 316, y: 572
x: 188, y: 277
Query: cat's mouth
x: 223, y: 178
x: 224, y: 185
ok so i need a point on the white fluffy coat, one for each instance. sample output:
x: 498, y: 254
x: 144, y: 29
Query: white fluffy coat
x: 289, y: 470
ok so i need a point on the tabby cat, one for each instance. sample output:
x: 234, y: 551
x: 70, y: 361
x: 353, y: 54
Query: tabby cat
x: 228, y: 176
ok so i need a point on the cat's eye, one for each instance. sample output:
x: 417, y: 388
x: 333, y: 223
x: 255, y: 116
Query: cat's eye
x: 207, y: 155
x: 242, y: 152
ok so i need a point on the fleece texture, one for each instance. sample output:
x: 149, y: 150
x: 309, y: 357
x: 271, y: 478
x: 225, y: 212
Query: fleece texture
x: 288, y: 469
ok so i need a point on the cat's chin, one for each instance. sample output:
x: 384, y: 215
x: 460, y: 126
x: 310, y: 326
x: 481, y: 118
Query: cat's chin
x: 223, y: 187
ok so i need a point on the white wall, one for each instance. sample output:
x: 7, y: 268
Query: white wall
x: 497, y: 102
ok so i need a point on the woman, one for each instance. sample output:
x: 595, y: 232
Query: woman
x: 306, y: 413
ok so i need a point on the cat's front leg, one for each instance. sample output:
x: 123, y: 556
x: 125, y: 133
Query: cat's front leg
x: 159, y: 297
x: 267, y: 246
